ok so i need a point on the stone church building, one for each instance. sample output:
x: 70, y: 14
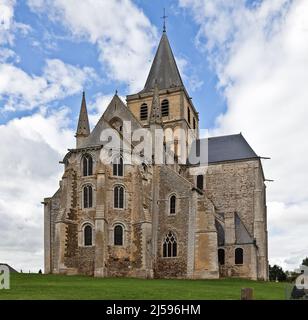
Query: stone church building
x: 154, y: 220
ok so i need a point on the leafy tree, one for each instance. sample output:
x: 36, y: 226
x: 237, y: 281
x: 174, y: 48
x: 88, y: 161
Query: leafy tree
x: 305, y: 262
x: 276, y: 272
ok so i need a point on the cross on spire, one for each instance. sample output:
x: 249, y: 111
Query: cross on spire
x: 164, y: 17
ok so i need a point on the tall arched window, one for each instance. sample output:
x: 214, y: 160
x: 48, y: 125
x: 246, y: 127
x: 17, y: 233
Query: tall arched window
x: 221, y: 256
x: 87, y: 235
x: 194, y: 123
x: 200, y: 181
x: 144, y: 111
x: 87, y: 164
x: 188, y: 114
x: 165, y: 108
x: 118, y: 167
x: 87, y: 196
x: 239, y: 256
x: 118, y: 235
x: 172, y: 204
x: 118, y: 196
x: 170, y: 245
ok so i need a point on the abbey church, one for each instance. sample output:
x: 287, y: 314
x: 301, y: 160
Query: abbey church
x: 157, y: 220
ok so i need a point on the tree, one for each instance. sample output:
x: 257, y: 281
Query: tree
x: 305, y: 262
x: 276, y: 272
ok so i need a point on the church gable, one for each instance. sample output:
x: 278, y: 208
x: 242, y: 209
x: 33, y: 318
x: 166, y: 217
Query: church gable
x: 114, y: 116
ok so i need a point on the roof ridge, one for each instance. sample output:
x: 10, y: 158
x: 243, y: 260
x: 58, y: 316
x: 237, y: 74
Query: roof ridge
x: 224, y: 135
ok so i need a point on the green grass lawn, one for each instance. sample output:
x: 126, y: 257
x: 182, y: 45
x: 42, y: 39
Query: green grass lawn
x: 35, y: 286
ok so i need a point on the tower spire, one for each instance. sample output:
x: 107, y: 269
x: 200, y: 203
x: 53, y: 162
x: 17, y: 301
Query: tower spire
x: 83, y: 127
x: 164, y: 68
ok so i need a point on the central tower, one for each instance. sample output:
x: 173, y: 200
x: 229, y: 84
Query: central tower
x: 176, y: 108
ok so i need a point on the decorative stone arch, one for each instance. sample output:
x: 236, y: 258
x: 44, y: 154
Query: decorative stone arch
x: 82, y: 233
x: 169, y: 204
x: 112, y: 233
x: 82, y: 186
x: 116, y: 161
x: 80, y: 159
x: 169, y: 245
x: 115, y: 205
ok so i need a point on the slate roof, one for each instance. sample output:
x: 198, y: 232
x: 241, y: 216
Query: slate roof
x: 12, y: 270
x: 224, y: 148
x: 164, y: 68
x: 242, y: 236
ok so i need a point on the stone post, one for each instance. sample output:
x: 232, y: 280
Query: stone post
x: 100, y: 227
x: 47, y: 236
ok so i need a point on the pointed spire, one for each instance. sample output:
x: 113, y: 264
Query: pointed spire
x: 164, y: 68
x: 155, y: 110
x: 83, y: 128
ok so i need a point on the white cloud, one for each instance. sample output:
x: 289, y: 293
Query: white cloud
x: 260, y: 55
x: 123, y: 34
x: 98, y: 105
x: 30, y: 159
x: 7, y: 54
x: 8, y: 25
x: 6, y: 20
x: 20, y: 90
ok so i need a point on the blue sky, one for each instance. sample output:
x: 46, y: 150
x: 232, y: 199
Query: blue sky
x: 50, y: 40
x: 243, y: 62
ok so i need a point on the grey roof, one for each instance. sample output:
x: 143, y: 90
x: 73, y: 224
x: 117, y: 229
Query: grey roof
x: 164, y: 68
x: 83, y: 127
x: 12, y: 270
x: 241, y: 234
x: 220, y: 233
x: 231, y: 147
x: 224, y: 148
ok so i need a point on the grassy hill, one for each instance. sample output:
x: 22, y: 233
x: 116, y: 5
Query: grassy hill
x: 35, y: 286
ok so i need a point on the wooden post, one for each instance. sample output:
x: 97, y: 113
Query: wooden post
x: 247, y: 294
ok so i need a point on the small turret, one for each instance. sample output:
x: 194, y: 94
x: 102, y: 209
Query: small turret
x: 155, y: 117
x: 83, y: 128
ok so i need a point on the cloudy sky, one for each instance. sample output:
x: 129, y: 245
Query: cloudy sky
x: 245, y: 63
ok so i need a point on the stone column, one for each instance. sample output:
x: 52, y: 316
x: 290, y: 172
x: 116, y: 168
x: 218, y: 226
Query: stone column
x: 60, y: 230
x: 260, y: 232
x: 100, y: 227
x: 155, y: 195
x: 229, y: 228
x: 47, y: 236
x: 191, y: 234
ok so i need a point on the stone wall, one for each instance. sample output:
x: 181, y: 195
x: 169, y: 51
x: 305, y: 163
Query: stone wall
x: 229, y: 188
x: 178, y: 223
